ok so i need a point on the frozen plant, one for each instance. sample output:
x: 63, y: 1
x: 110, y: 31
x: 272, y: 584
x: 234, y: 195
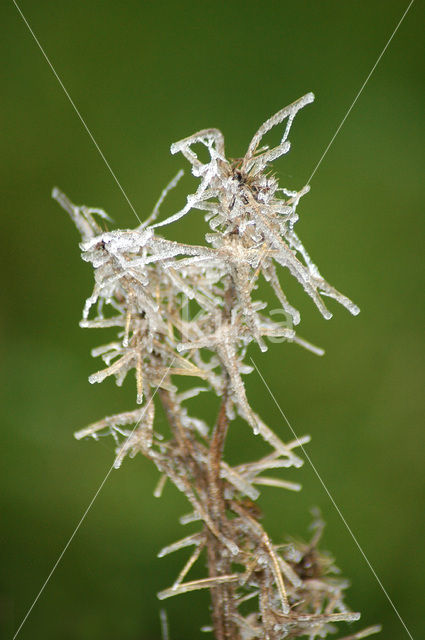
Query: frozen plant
x: 143, y: 283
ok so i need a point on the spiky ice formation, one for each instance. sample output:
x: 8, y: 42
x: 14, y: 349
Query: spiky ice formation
x: 145, y: 286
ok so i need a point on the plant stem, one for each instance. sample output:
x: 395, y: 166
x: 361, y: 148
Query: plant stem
x: 219, y: 563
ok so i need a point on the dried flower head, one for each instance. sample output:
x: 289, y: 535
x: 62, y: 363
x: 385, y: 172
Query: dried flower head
x: 142, y: 286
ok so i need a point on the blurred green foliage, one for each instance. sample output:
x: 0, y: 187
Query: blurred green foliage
x: 144, y: 75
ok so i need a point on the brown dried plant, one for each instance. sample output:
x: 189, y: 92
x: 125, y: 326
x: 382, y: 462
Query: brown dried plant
x: 143, y: 282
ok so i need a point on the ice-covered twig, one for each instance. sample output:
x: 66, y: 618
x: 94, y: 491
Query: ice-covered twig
x: 193, y: 310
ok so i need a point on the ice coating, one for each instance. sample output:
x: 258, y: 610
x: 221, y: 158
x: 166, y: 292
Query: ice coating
x: 192, y: 311
x: 251, y: 216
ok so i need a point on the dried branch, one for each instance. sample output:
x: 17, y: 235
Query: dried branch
x: 145, y: 286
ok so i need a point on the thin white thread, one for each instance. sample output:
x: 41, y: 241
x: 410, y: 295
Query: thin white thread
x: 165, y: 633
x: 153, y: 395
x: 333, y: 501
x: 354, y: 102
x: 77, y: 111
x: 360, y: 91
x: 86, y: 512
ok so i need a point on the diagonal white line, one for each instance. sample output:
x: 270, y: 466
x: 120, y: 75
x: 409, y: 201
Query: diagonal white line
x: 77, y: 111
x: 359, y: 92
x: 154, y: 393
x: 83, y: 517
x: 319, y: 477
x: 357, y: 97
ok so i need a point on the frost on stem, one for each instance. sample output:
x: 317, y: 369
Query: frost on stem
x: 145, y: 286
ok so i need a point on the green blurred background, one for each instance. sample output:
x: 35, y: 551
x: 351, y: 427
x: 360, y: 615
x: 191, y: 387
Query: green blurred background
x: 145, y: 74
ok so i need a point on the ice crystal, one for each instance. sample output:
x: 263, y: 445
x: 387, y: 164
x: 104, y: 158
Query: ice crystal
x: 144, y: 286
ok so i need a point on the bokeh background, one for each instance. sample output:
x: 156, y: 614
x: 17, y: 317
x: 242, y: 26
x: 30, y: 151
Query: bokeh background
x: 143, y: 75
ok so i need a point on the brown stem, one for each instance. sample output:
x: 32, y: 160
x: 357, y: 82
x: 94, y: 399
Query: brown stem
x: 222, y: 596
x: 206, y: 480
x: 219, y: 563
x: 215, y: 484
x: 180, y: 433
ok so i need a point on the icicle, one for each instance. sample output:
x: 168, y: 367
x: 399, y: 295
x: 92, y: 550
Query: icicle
x: 160, y: 486
x: 194, y: 539
x: 277, y: 482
